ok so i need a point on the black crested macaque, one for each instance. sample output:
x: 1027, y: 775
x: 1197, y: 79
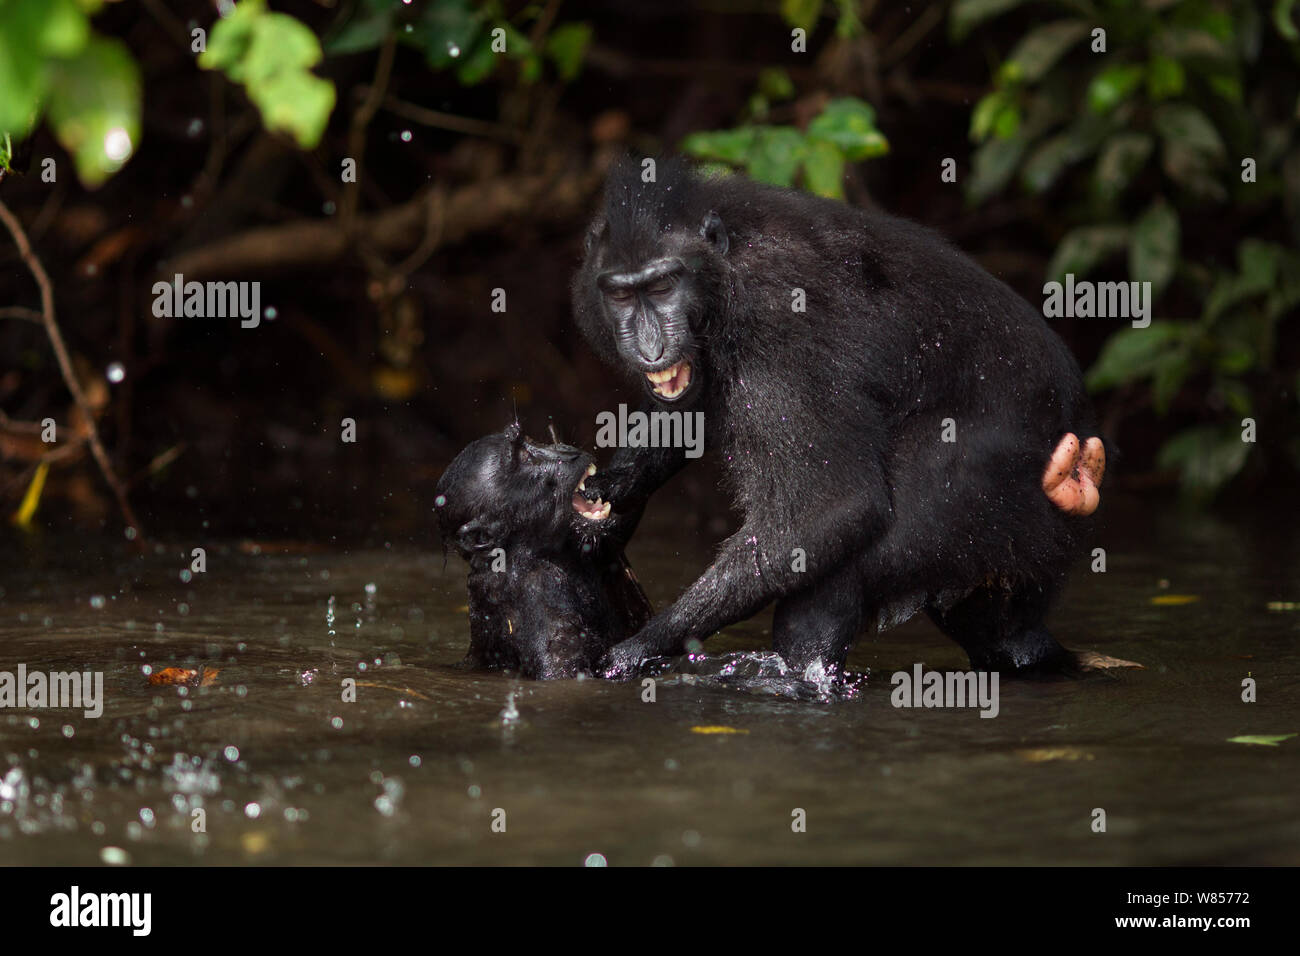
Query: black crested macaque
x: 549, y: 588
x: 901, y: 430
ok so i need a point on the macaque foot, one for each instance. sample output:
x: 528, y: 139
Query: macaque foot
x: 1090, y: 662
x: 1072, y: 479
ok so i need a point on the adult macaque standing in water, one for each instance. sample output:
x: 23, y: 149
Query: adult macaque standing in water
x: 900, y: 429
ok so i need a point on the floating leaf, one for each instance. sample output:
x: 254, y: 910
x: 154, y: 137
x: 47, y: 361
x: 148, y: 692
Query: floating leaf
x: 1261, y: 740
x: 716, y: 729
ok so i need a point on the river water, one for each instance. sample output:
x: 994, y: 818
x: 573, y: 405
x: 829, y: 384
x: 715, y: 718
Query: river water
x: 437, y: 765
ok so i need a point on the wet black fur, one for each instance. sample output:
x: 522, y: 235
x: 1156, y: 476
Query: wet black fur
x: 828, y: 422
x: 566, y: 594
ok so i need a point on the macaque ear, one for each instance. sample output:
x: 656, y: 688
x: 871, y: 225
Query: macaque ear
x: 715, y: 232
x: 479, y: 534
x: 594, y: 235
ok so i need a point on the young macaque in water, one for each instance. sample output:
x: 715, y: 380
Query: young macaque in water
x: 549, y: 588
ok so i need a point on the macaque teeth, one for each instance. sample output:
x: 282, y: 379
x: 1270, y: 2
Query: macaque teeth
x: 591, y: 470
x: 661, y: 382
x: 599, y: 510
x: 582, y: 485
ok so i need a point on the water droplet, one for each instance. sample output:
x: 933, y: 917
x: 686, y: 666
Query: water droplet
x: 117, y: 144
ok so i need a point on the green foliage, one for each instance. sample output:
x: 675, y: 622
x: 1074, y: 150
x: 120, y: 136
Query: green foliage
x: 804, y: 14
x: 473, y: 38
x: 1139, y: 138
x: 53, y: 65
x: 845, y: 131
x: 271, y: 56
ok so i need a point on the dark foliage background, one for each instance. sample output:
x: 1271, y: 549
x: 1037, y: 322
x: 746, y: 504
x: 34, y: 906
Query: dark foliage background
x: 477, y: 173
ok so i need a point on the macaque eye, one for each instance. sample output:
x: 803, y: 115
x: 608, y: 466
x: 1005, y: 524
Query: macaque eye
x: 661, y: 288
x: 621, y: 296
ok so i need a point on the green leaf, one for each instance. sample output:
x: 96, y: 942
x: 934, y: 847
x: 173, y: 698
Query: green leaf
x: 992, y: 167
x: 447, y: 30
x: 1046, y: 163
x: 94, y: 108
x: 270, y: 55
x: 1285, y: 21
x: 1166, y: 78
x: 968, y: 14
x: 850, y: 125
x: 1236, y: 396
x: 1083, y: 249
x: 1131, y: 354
x: 1258, y: 263
x: 24, y: 78
x: 778, y: 152
x: 530, y: 69
x: 1264, y: 740
x: 823, y: 170
x: 295, y: 102
x: 1153, y: 255
x: 1113, y: 86
x: 1186, y: 125
x: 567, y: 48
x: 1207, y: 457
x: 229, y: 39
x: 984, y: 116
x: 367, y: 27
x: 1193, y: 45
x: 725, y: 145
x: 31, y: 33
x: 1122, y: 156
x: 801, y: 13
x: 775, y: 84
x: 1040, y: 48
x: 63, y: 28
x: 479, y: 64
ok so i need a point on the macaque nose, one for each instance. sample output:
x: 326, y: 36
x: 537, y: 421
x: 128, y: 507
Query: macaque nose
x: 649, y: 341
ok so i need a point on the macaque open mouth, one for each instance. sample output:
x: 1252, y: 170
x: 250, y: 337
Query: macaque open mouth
x: 671, y: 382
x: 591, y: 510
